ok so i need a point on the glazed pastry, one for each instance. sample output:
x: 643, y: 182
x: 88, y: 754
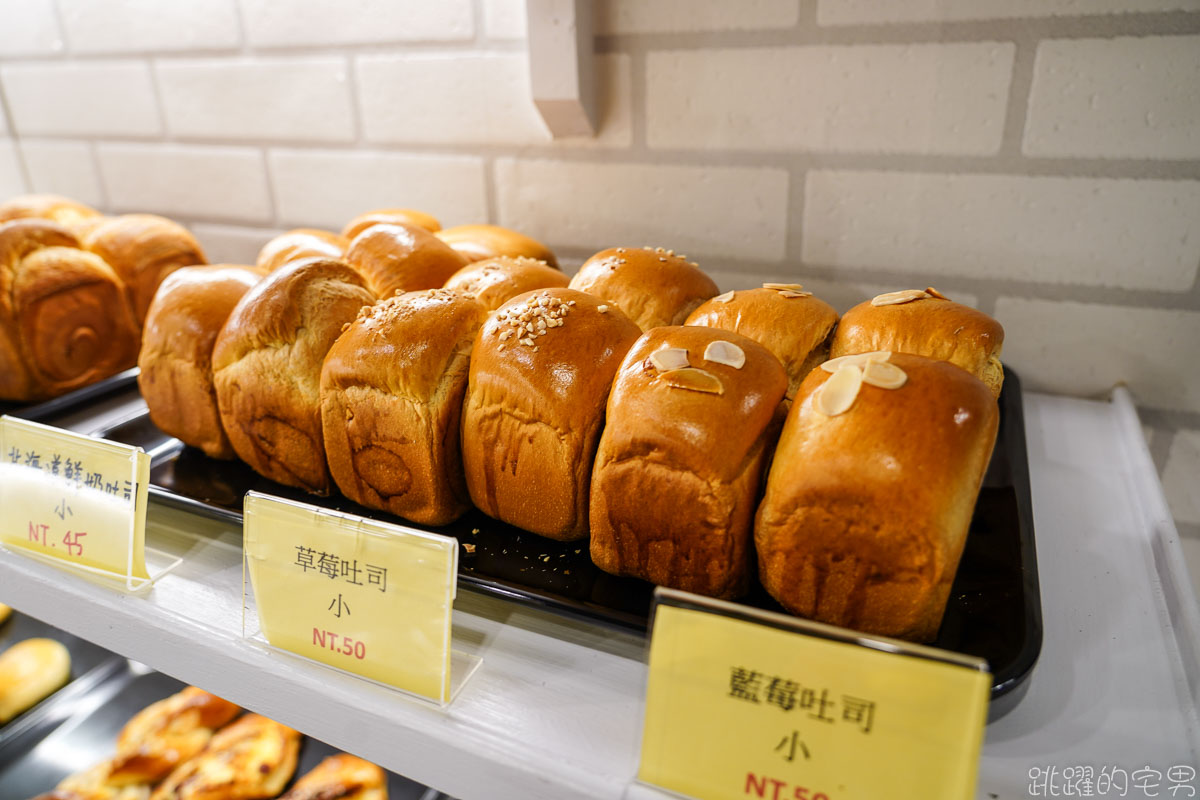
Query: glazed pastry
x: 479, y: 242
x: 389, y: 216
x: 653, y: 286
x: 165, y: 734
x: 93, y: 784
x: 252, y: 759
x: 31, y: 671
x: 341, y: 777
x: 62, y: 210
x: 495, y: 281
x: 299, y: 244
x: 398, y: 257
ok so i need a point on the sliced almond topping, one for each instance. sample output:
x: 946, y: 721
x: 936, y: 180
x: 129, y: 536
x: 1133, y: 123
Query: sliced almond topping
x: 695, y: 379
x: 884, y: 375
x: 789, y: 294
x: 857, y: 360
x: 791, y: 287
x: 724, y: 298
x: 727, y: 353
x: 932, y: 292
x: 902, y: 296
x: 838, y: 393
x: 669, y: 358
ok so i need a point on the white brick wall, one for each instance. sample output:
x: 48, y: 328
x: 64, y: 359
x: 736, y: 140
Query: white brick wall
x: 670, y: 16
x: 1181, y: 478
x: 122, y: 26
x: 231, y: 244
x: 878, y: 98
x: 86, y: 98
x: 327, y: 189
x: 11, y: 181
x: 504, y: 19
x: 32, y: 32
x: 285, y: 23
x: 186, y: 181
x: 870, y: 12
x: 1116, y: 98
x: 719, y: 211
x: 1133, y: 234
x: 63, y: 167
x: 299, y: 99
x: 1084, y: 348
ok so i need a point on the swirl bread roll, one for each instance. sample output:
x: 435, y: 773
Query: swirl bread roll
x: 871, y: 492
x: 680, y: 463
x: 495, y: 281
x: 163, y: 735
x: 795, y: 326
x: 342, y: 777
x: 176, y: 379
x: 653, y: 286
x: 30, y: 671
x: 63, y: 210
x: 390, y: 216
x: 143, y: 249
x: 300, y: 243
x: 479, y: 242
x: 391, y: 400
x: 540, y: 373
x: 402, y: 258
x: 64, y: 319
x: 928, y: 324
x: 252, y: 759
x: 267, y: 367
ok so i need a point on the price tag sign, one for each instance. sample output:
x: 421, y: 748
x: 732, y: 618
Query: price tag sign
x: 748, y: 704
x: 75, y: 499
x: 361, y: 595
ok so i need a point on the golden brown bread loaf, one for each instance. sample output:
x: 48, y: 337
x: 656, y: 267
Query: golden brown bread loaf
x: 267, y: 367
x: 252, y: 759
x: 495, y: 281
x: 62, y: 210
x: 927, y: 324
x: 402, y: 258
x: 389, y: 216
x: 866, y: 511
x: 163, y: 735
x: 65, y: 321
x: 30, y: 671
x: 143, y: 249
x: 653, y: 286
x: 795, y: 326
x: 300, y: 243
x: 341, y: 777
x: 540, y: 373
x: 679, y: 465
x: 176, y: 381
x: 479, y: 242
x: 391, y: 400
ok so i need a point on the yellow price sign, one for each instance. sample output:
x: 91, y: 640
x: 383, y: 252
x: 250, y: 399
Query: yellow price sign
x: 361, y: 595
x: 743, y: 704
x: 75, y: 499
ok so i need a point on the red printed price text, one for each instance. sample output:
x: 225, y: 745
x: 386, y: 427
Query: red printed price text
x: 72, y: 541
x: 773, y: 789
x: 342, y: 645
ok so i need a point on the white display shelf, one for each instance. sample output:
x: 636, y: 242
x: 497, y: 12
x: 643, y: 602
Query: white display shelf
x: 555, y: 709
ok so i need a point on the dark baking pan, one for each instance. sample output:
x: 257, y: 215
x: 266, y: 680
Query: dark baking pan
x: 72, y: 400
x: 90, y: 736
x: 994, y: 609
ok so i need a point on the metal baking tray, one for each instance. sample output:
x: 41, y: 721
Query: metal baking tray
x: 994, y: 609
x: 90, y: 736
x: 72, y: 400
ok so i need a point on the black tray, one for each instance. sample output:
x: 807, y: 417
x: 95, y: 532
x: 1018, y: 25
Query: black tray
x: 90, y: 736
x: 67, y: 402
x: 994, y: 609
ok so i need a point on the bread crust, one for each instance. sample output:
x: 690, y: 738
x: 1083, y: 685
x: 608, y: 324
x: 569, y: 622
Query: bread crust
x: 165, y: 734
x: 53, y: 207
x: 252, y: 759
x: 531, y: 418
x: 653, y: 286
x: 397, y: 257
x: 388, y: 216
x: 479, y: 242
x: 30, y: 671
x: 300, y: 243
x: 866, y: 512
x: 495, y: 281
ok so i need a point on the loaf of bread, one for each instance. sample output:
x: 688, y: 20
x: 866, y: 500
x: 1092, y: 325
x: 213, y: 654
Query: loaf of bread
x: 871, y: 492
x: 298, y: 244
x: 653, y: 286
x: 342, y: 777
x: 390, y: 216
x: 165, y: 734
x: 252, y: 759
x: 402, y: 258
x: 267, y: 367
x: 65, y: 321
x: 795, y: 326
x: 176, y: 380
x: 925, y: 323
x: 680, y: 462
x: 391, y: 401
x: 30, y: 671
x: 495, y: 281
x: 143, y: 249
x: 62, y: 210
x: 479, y: 242
x: 541, y: 370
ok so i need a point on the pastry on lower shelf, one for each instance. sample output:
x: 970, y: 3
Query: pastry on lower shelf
x: 399, y: 257
x: 677, y: 473
x: 391, y: 400
x: 251, y: 759
x: 298, y: 244
x: 92, y: 784
x: 5, y: 612
x: 871, y: 492
x: 479, y: 242
x: 165, y: 734
x: 341, y: 777
x: 30, y: 671
x: 925, y: 323
x: 495, y: 281
x: 388, y: 216
x: 653, y: 286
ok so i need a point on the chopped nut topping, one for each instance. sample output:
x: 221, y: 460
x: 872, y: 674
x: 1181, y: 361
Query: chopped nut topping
x: 858, y: 360
x: 932, y: 292
x: 838, y: 393
x: 902, y: 296
x: 884, y: 375
x: 532, y: 318
x: 669, y: 358
x: 727, y: 353
x: 693, y: 379
x: 602, y: 309
x: 724, y: 298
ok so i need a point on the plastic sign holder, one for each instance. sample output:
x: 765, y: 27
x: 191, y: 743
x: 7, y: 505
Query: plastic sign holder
x: 77, y: 502
x: 743, y: 703
x: 358, y: 595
